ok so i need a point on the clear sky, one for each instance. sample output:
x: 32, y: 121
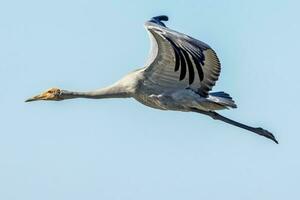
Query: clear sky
x: 121, y: 150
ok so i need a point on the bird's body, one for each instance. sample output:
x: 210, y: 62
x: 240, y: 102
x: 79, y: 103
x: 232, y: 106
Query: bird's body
x: 158, y: 97
x: 178, y: 75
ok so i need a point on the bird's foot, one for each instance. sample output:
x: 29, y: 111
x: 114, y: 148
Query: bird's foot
x: 265, y: 133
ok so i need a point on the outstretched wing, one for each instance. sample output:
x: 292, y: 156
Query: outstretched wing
x: 179, y: 61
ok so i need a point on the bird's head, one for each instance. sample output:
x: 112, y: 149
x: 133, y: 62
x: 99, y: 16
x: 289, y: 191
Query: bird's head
x: 53, y: 94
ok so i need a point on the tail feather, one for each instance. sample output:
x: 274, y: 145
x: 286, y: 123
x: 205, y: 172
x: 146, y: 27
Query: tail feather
x: 223, y: 99
x: 221, y: 94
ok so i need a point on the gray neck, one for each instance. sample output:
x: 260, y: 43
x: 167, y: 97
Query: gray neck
x: 108, y: 92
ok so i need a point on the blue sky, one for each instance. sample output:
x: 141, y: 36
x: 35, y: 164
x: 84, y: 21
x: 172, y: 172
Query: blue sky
x: 119, y: 149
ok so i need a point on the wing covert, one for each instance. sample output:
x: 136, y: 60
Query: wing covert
x: 180, y: 61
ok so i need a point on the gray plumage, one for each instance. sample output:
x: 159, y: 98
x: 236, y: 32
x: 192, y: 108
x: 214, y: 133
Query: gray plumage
x: 178, y: 75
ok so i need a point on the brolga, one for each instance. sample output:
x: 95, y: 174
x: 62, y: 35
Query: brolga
x: 178, y: 75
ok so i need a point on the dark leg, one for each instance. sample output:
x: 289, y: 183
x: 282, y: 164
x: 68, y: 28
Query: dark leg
x: 259, y: 131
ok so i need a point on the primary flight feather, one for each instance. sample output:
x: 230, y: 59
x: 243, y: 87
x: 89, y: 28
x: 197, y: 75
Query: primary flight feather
x: 178, y: 75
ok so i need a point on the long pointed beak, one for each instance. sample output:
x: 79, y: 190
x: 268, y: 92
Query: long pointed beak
x: 35, y: 98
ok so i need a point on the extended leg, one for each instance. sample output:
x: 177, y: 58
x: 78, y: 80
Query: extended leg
x: 259, y: 131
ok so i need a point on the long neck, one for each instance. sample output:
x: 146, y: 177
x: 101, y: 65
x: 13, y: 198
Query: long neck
x: 114, y: 91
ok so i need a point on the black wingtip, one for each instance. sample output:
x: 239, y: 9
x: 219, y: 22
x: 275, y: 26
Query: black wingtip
x: 159, y: 19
